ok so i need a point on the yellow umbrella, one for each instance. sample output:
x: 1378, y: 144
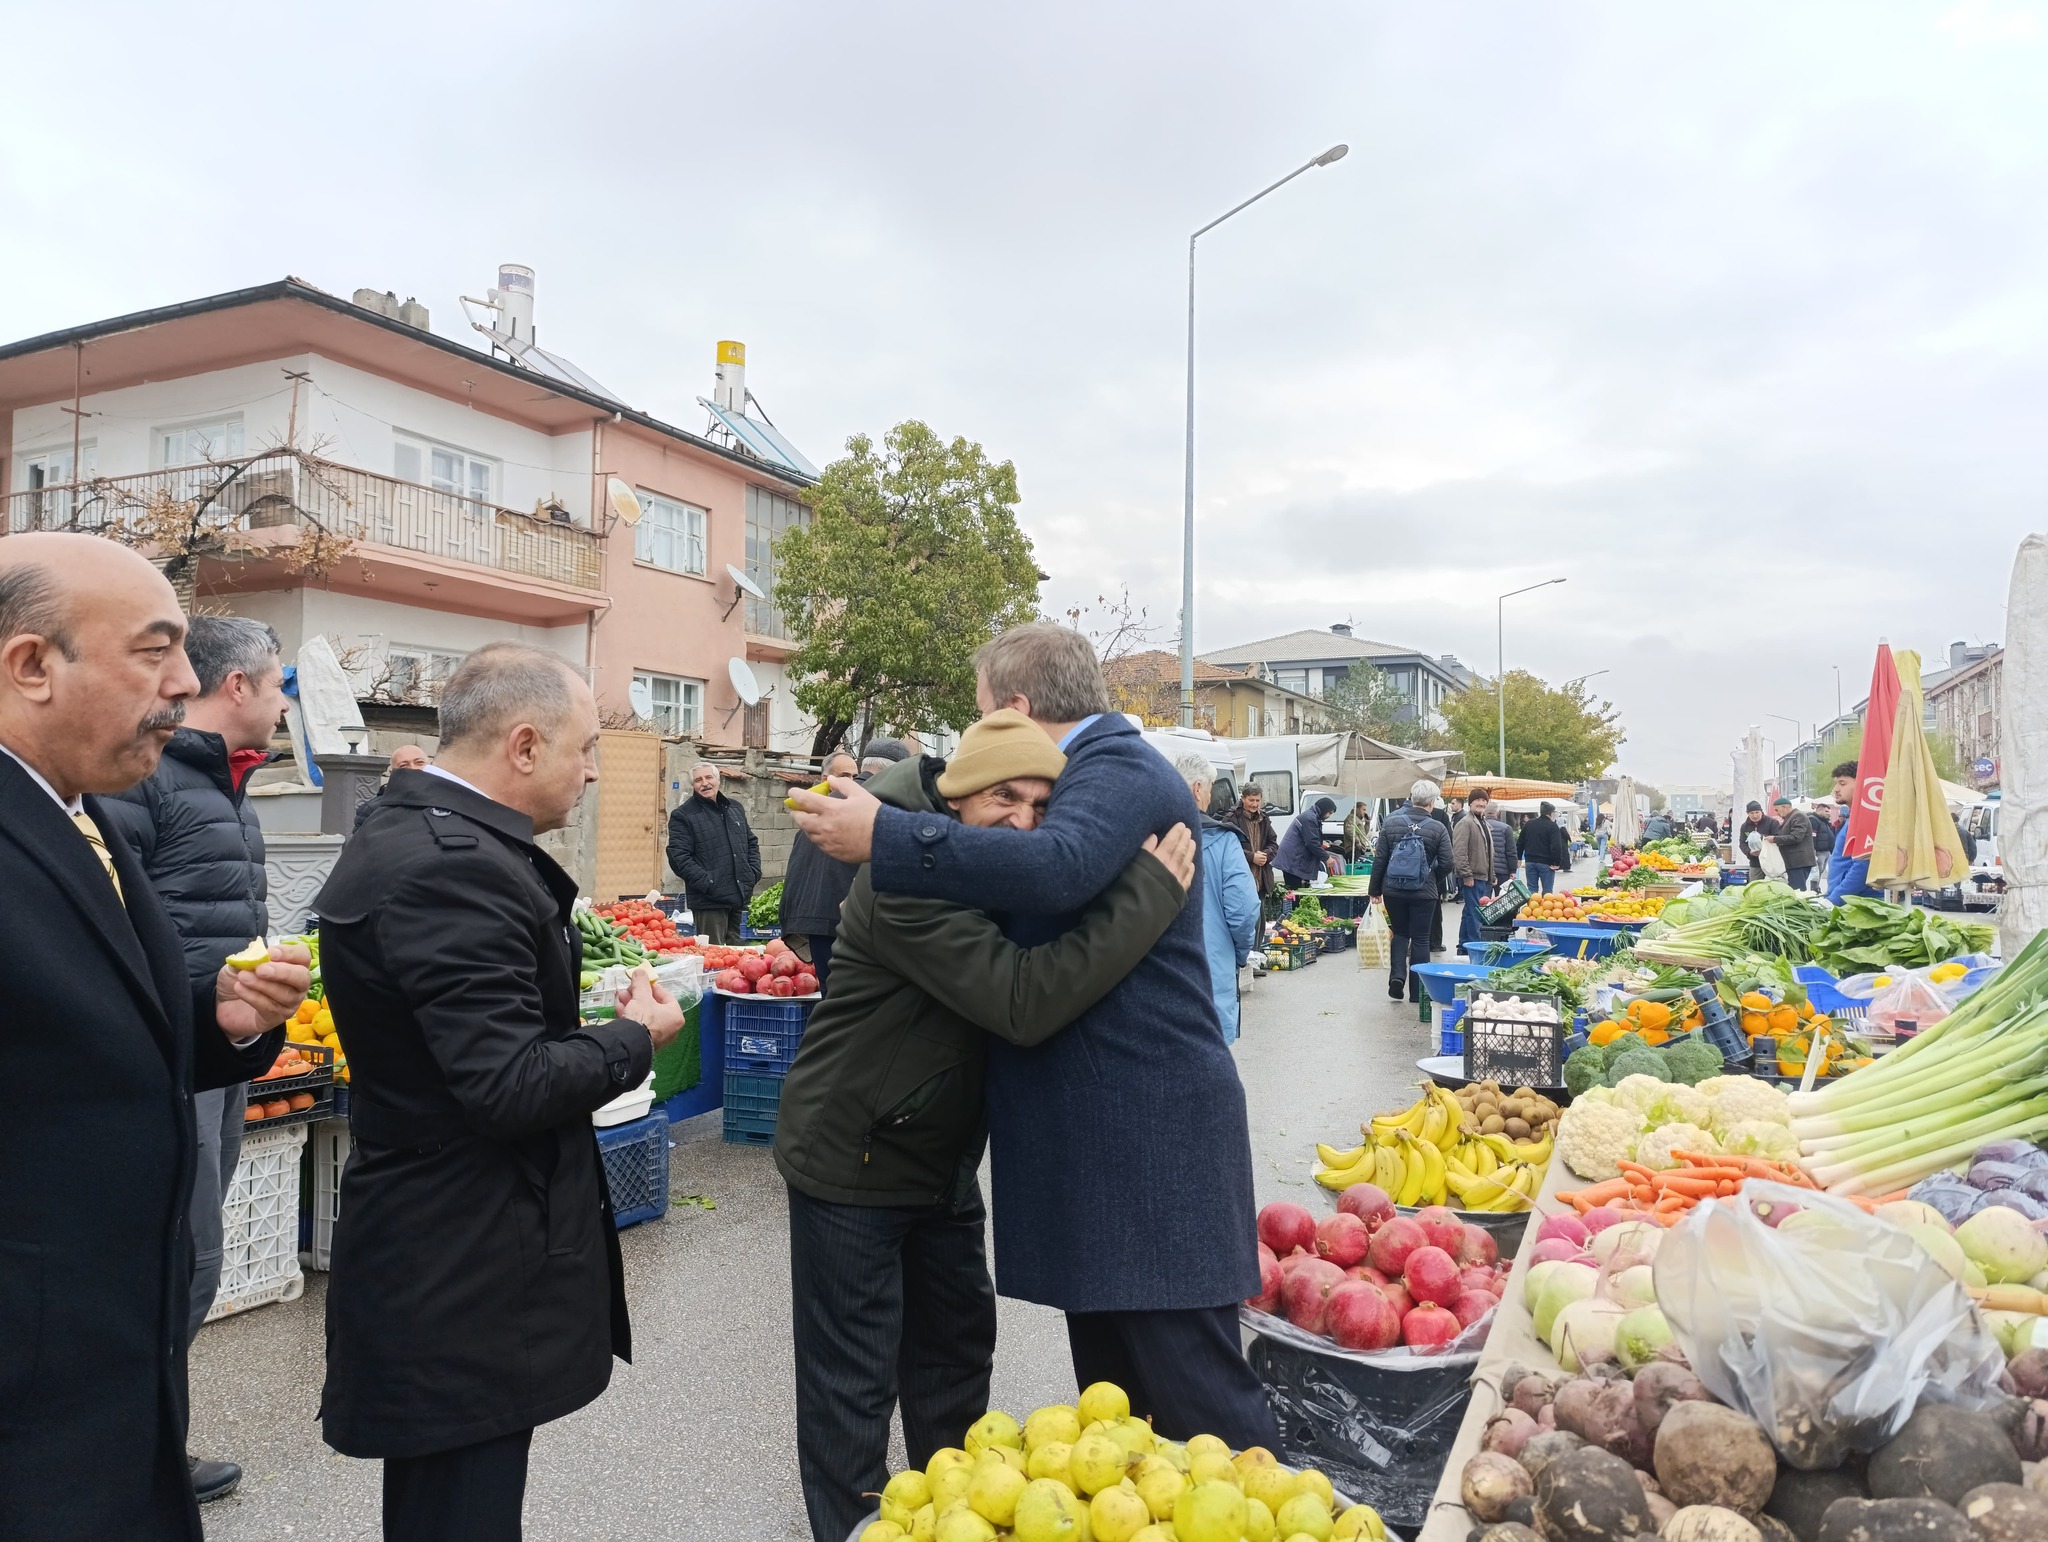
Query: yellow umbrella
x: 1916, y: 844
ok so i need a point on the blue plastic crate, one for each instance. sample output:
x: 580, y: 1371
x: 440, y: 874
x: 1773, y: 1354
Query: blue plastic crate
x: 636, y: 1168
x: 748, y: 934
x: 750, y: 1107
x: 1450, y: 1038
x: 762, y: 1033
x: 1574, y: 941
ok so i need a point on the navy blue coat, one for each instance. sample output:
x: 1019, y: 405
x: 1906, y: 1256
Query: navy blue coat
x: 1123, y: 1170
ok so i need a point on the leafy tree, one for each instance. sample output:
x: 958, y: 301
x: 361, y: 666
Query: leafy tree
x: 912, y: 560
x: 1847, y: 744
x: 1554, y: 734
x: 1367, y: 701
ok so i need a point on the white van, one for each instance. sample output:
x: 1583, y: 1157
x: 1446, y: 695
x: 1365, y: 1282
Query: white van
x: 1987, y: 872
x: 1227, y: 766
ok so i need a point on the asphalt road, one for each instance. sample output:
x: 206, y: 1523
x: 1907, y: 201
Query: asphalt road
x: 695, y: 1438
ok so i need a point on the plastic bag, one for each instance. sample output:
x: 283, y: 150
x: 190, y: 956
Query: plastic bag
x: 1910, y: 1004
x: 1771, y: 860
x: 1826, y: 1334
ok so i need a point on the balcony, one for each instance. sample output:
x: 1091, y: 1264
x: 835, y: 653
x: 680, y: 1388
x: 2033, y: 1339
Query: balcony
x: 248, y: 504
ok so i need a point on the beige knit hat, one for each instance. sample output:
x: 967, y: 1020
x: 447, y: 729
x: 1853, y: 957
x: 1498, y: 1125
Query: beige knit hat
x: 1002, y: 745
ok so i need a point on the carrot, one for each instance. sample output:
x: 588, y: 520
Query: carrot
x: 1595, y: 1195
x: 1692, y: 1188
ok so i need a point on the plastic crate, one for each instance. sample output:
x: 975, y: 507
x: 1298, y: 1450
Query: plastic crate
x: 762, y: 1033
x: 1450, y: 1034
x: 330, y: 1144
x: 1505, y: 905
x: 260, y: 1224
x: 749, y: 934
x: 1513, y: 1053
x: 751, y: 1103
x: 1337, y: 938
x: 1495, y: 933
x: 636, y: 1169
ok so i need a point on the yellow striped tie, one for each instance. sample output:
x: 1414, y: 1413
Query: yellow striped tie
x: 94, y: 839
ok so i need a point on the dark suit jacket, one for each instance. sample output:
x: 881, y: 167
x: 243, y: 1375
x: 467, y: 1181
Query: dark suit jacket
x: 103, y: 1039
x: 1123, y: 1173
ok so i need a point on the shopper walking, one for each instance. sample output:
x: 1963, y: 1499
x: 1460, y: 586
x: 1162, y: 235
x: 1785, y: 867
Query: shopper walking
x: 1472, y: 858
x: 1262, y: 846
x: 715, y: 852
x: 1150, y: 1274
x: 1794, y: 840
x: 1410, y: 862
x: 880, y: 1131
x: 1230, y: 902
x: 107, y: 1038
x: 1303, y: 851
x: 1545, y: 850
x: 197, y: 838
x: 815, y: 884
x: 1749, y: 837
x: 476, y: 1289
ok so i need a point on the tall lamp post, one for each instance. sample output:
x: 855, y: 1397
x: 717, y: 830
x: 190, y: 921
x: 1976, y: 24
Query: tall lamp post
x: 1500, y: 673
x: 1187, y: 541
x: 1798, y: 739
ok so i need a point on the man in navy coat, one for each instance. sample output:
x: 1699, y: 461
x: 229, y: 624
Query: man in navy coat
x: 1122, y: 1160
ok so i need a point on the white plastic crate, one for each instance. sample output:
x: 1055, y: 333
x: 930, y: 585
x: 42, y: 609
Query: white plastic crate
x: 260, y: 1224
x: 330, y: 1144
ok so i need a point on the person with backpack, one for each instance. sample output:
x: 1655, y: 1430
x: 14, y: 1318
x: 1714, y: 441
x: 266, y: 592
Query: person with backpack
x: 1410, y: 862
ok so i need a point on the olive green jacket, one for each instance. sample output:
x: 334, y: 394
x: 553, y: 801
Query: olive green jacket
x: 884, y: 1103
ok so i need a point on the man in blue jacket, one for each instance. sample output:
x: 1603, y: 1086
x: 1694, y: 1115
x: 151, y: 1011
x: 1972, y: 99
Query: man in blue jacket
x: 1122, y: 1160
x: 1847, y: 875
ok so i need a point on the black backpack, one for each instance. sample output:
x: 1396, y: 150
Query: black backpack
x: 1408, y: 863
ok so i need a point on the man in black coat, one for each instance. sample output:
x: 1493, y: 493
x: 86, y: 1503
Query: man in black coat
x: 715, y: 852
x: 198, y: 839
x: 1544, y: 849
x: 816, y: 885
x: 103, y: 1039
x: 476, y: 1288
x: 407, y: 757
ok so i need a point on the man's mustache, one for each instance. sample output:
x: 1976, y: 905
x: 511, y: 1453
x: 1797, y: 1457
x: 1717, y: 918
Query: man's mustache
x: 164, y: 717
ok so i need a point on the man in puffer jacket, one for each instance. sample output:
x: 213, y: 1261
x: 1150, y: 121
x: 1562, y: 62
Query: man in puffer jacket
x: 195, y: 834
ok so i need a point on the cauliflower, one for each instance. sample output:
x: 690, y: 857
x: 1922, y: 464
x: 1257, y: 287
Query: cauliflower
x: 1654, y: 1148
x: 1593, y: 1137
x: 1760, y: 1138
x: 1675, y: 1103
x: 1638, y: 1093
x: 1738, y: 1099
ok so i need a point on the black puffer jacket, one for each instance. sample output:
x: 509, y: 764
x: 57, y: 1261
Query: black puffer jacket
x: 715, y: 852
x: 813, y: 889
x: 194, y: 832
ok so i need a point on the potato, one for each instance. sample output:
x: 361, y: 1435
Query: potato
x: 1943, y: 1452
x: 1710, y: 1455
x: 1591, y: 1496
x: 1800, y: 1499
x: 1490, y: 1482
x: 1895, y: 1520
x: 2005, y: 1512
x: 1708, y: 1523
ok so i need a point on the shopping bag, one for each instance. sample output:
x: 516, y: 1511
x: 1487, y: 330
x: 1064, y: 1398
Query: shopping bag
x: 1771, y: 860
x: 1375, y: 942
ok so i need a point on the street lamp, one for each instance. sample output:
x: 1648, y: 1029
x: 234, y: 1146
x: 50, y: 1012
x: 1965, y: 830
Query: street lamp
x: 1187, y: 541
x: 1500, y: 673
x: 1798, y: 738
x: 1582, y: 679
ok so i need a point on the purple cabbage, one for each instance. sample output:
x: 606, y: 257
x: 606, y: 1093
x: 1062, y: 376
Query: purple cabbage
x: 2035, y: 1185
x: 2013, y: 1199
x: 1948, y: 1194
x: 1993, y: 1176
x: 2007, y: 1151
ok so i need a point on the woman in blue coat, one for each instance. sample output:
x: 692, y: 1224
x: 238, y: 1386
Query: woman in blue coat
x: 1230, y: 900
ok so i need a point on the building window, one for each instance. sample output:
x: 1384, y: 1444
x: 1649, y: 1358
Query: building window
x: 670, y: 535
x: 445, y: 469
x: 416, y: 674
x: 769, y: 514
x: 194, y: 444
x: 1291, y: 680
x: 50, y: 469
x: 1251, y: 722
x: 678, y: 704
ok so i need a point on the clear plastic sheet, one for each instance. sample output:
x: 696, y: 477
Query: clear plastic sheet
x: 1379, y: 1426
x: 1826, y: 1335
x: 1910, y: 1002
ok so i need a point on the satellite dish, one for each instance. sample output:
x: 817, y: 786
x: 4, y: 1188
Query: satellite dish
x: 744, y: 584
x: 621, y: 498
x: 641, y: 696
x: 743, y: 681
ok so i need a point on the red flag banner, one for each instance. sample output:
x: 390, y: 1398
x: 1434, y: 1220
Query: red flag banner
x: 1875, y: 757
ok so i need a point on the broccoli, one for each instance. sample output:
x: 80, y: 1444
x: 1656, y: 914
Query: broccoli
x: 1637, y: 1062
x: 1585, y: 1067
x: 1623, y: 1043
x: 1692, y: 1060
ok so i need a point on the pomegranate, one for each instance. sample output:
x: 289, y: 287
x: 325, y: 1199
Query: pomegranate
x: 1470, y: 1306
x: 1477, y: 1246
x: 1398, y: 1297
x: 1361, y: 1318
x: 733, y: 980
x: 1475, y: 1277
x: 1268, y: 1298
x: 753, y: 966
x: 1392, y: 1244
x: 1370, y: 1203
x: 1367, y: 1273
x: 807, y: 984
x: 1284, y: 1227
x: 1305, y: 1293
x: 1342, y: 1238
x: 1266, y: 1253
x: 1429, y: 1327
x: 1431, y: 1276
x: 785, y: 964
x: 1440, y: 1228
x: 775, y: 946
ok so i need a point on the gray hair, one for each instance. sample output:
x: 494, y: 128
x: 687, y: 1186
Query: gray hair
x: 702, y: 765
x: 1194, y: 766
x: 1052, y: 667
x: 1424, y: 793
x: 503, y: 684
x: 1250, y: 790
x: 219, y: 646
x: 29, y: 602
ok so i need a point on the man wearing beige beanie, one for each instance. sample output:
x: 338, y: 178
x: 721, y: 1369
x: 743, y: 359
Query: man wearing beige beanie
x: 881, y: 1128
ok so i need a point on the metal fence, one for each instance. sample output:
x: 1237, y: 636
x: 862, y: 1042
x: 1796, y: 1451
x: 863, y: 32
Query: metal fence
x: 278, y: 489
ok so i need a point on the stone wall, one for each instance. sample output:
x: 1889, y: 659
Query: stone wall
x: 297, y: 866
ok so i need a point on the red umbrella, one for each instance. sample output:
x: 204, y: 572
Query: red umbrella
x: 1875, y: 756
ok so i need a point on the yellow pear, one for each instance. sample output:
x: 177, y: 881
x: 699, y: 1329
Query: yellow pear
x: 1159, y: 1483
x: 1210, y: 1467
x: 1200, y: 1443
x: 1209, y: 1512
x: 1174, y: 1452
x: 1117, y: 1514
x: 994, y: 1428
x: 962, y: 1525
x: 1304, y: 1515
x: 1046, y: 1425
x: 1158, y: 1531
x: 1050, y: 1461
x: 1258, y: 1521
x: 1312, y: 1482
x: 1134, y: 1435
x: 993, y: 1493
x: 910, y: 1489
x: 881, y: 1531
x: 1097, y: 1463
x: 1271, y: 1486
x: 1255, y: 1456
x: 1360, y: 1521
x: 895, y: 1514
x: 950, y: 1486
x: 944, y: 1457
x: 921, y: 1524
x: 1010, y: 1456
x: 1105, y: 1400
x: 1049, y: 1512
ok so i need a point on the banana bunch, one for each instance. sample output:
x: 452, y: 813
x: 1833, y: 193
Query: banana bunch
x: 1429, y: 1154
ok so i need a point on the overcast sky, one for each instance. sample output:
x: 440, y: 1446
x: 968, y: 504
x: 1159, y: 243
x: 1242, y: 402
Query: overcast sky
x: 1735, y: 314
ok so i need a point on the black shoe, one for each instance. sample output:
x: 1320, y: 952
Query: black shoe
x: 212, y: 1480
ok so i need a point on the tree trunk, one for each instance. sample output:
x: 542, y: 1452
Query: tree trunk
x: 827, y: 738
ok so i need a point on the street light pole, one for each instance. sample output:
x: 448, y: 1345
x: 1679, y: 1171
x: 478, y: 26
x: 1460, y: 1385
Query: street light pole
x: 1187, y: 541
x: 1500, y: 671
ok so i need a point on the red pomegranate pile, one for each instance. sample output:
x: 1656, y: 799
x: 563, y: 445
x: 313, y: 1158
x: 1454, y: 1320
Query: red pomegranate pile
x: 774, y: 971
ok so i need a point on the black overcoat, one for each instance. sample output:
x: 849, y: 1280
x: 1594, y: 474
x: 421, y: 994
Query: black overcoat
x: 103, y: 1040
x: 476, y: 1287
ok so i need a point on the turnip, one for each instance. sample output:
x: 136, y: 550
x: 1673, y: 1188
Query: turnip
x: 1634, y: 1286
x: 1911, y: 1212
x: 1572, y: 1282
x: 1545, y: 1447
x: 1569, y: 1227
x: 1640, y: 1336
x: 2002, y: 1243
x: 2006, y: 1512
x: 1490, y: 1482
x: 1591, y: 1496
x: 1708, y: 1523
x: 1582, y: 1333
x: 1554, y: 1250
x: 1943, y: 1452
x: 1507, y: 1432
x: 2029, y: 1372
x: 1533, y: 1281
x: 1636, y: 1242
x: 1710, y: 1455
x: 1599, y: 1219
x: 1940, y: 1246
x: 1531, y: 1393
